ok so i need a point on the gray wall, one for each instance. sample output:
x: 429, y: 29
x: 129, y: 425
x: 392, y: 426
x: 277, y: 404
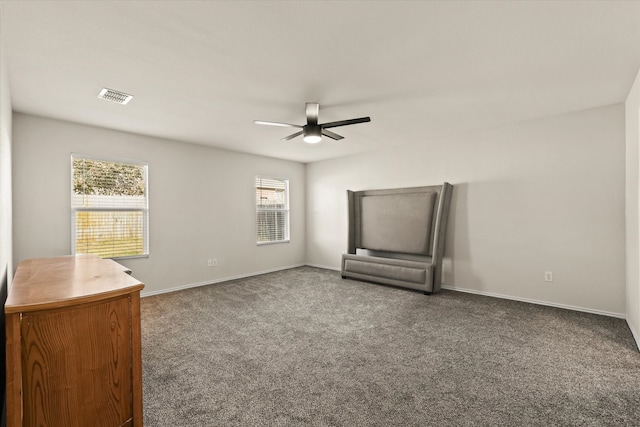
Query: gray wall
x: 632, y: 108
x: 543, y: 195
x: 5, y: 208
x: 201, y: 202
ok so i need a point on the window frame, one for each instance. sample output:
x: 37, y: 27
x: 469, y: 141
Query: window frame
x: 286, y: 209
x: 144, y: 210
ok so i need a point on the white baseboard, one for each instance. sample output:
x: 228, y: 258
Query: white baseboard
x: 634, y: 332
x: 213, y: 281
x: 533, y: 301
x: 326, y: 267
x: 528, y: 300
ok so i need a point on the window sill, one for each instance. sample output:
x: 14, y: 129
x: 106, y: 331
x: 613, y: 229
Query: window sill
x: 275, y: 242
x: 115, y: 258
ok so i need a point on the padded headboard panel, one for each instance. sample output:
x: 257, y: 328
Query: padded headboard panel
x: 397, y: 220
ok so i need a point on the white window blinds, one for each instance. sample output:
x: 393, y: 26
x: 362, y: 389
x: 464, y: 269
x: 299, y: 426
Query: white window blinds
x: 109, y: 207
x: 272, y: 210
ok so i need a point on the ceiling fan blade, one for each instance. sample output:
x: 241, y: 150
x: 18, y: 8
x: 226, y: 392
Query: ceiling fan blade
x: 345, y: 122
x: 293, y: 135
x: 312, y: 109
x: 287, y: 125
x: 332, y: 135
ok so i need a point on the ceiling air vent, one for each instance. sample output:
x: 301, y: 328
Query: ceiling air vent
x: 115, y: 96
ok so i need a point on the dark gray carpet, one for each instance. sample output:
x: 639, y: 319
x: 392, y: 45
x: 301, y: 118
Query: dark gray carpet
x: 303, y: 347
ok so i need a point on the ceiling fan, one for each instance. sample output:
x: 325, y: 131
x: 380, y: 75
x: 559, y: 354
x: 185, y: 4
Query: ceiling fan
x: 312, y: 132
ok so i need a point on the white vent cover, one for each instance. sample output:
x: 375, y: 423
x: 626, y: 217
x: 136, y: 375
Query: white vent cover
x: 115, y: 96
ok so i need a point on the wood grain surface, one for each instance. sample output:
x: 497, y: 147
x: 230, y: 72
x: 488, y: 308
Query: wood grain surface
x: 76, y: 367
x: 74, y: 344
x: 44, y: 283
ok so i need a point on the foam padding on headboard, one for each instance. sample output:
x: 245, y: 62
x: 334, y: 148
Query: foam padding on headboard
x: 397, y: 222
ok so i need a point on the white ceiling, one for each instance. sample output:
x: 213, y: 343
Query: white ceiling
x: 202, y: 71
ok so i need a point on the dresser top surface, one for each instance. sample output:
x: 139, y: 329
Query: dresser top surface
x: 48, y: 283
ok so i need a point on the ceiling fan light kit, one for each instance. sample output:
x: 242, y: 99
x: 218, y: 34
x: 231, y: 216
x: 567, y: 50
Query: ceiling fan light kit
x: 313, y: 132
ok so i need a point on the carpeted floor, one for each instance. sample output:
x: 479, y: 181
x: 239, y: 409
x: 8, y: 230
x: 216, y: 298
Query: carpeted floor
x: 303, y: 347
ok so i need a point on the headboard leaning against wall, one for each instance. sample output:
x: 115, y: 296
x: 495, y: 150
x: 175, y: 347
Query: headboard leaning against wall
x: 396, y: 236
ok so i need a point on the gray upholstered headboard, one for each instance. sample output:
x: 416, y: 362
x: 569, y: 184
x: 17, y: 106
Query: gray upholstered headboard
x: 396, y: 236
x: 397, y: 220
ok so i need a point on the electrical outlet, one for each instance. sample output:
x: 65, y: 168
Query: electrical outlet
x: 209, y: 262
x: 214, y: 262
x: 548, y: 276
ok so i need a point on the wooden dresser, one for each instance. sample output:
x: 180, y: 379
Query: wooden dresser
x: 73, y: 344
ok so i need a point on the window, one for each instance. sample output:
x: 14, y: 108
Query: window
x: 109, y: 207
x: 272, y: 210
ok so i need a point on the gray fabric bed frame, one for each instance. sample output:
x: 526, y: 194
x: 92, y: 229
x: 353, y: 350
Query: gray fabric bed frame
x: 396, y: 236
